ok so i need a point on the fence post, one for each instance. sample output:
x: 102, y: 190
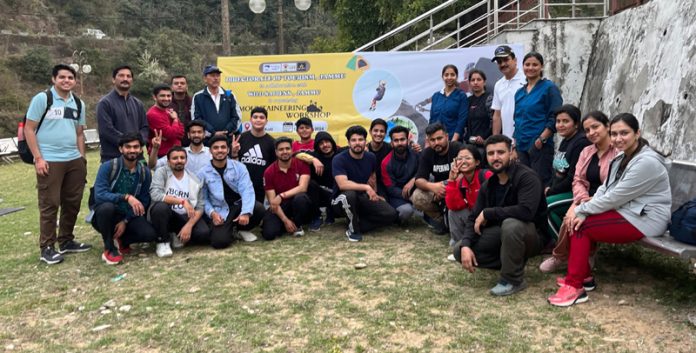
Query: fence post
x: 495, y: 17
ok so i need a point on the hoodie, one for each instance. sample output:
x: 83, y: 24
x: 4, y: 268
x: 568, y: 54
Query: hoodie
x: 326, y: 179
x: 641, y: 194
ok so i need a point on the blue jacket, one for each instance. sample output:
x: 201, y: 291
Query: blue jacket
x: 103, y: 186
x: 227, y: 118
x: 237, y: 178
x: 451, y: 111
x: 534, y: 112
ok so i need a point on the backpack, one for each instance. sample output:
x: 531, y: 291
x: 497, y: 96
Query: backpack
x: 683, y: 226
x: 113, y: 174
x: 22, y: 146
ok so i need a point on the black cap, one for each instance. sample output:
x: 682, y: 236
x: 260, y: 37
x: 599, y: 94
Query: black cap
x: 502, y: 51
x: 211, y: 69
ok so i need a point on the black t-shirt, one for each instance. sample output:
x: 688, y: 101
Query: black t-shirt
x: 478, y: 122
x: 357, y: 170
x: 592, y: 174
x: 230, y: 196
x: 380, y: 154
x: 437, y: 165
x: 256, y: 153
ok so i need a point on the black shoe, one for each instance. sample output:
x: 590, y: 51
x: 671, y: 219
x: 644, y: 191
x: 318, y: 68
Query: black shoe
x: 73, y: 246
x: 50, y: 256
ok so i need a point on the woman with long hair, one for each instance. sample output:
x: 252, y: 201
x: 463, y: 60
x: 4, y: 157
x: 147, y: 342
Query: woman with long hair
x: 450, y: 106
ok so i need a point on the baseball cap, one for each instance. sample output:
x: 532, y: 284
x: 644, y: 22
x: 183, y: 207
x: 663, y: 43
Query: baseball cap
x: 211, y: 69
x: 502, y: 51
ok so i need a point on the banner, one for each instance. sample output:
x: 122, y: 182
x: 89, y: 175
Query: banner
x: 339, y: 90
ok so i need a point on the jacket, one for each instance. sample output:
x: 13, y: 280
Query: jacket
x: 117, y: 116
x: 641, y: 194
x: 237, y: 178
x: 103, y: 186
x: 463, y: 194
x: 565, y: 161
x: 397, y: 172
x: 581, y: 187
x: 172, y: 131
x: 159, y: 187
x: 534, y: 112
x: 451, y: 111
x: 227, y: 118
x: 523, y: 200
x: 326, y: 178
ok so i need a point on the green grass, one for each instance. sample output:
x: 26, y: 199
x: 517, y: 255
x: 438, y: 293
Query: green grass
x: 303, y: 295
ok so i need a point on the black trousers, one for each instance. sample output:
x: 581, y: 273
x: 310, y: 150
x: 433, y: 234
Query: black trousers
x: 138, y: 229
x: 165, y: 221
x: 321, y: 197
x: 297, y: 209
x: 222, y: 236
x: 363, y: 215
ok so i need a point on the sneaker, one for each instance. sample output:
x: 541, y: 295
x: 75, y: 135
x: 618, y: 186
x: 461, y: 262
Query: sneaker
x: 451, y: 257
x: 73, y: 246
x: 437, y: 227
x: 315, y: 225
x: 247, y: 236
x: 552, y: 264
x: 122, y: 249
x: 504, y: 288
x: 298, y: 233
x: 163, y: 249
x: 89, y: 216
x: 176, y: 241
x: 567, y: 296
x: 330, y: 219
x: 111, y: 258
x: 354, y: 237
x: 588, y: 283
x: 50, y: 256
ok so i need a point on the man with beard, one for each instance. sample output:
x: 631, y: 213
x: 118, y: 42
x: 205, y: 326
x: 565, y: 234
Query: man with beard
x: 119, y: 113
x: 503, y: 104
x: 322, y: 182
x: 508, y: 223
x: 121, y: 196
x: 431, y: 178
x: 197, y: 155
x: 355, y: 195
x: 216, y: 106
x: 228, y: 195
x: 177, y: 208
x: 181, y: 102
x: 285, y: 182
x: 164, y: 121
x: 255, y: 149
x: 399, y: 173
x: 378, y: 130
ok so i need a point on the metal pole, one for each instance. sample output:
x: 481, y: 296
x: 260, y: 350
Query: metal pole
x: 572, y: 10
x: 458, y: 29
x: 541, y: 8
x: 518, y: 14
x: 281, y: 30
x: 488, y: 21
x: 430, y: 39
x: 225, y: 9
x: 495, y: 17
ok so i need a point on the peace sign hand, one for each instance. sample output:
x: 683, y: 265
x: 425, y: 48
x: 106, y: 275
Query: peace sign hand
x: 157, y: 140
x: 235, y: 145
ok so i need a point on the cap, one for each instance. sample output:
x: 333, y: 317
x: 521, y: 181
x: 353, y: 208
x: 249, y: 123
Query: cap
x: 211, y: 69
x: 502, y: 51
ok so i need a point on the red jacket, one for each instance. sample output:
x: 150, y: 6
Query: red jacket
x: 172, y: 132
x: 455, y: 191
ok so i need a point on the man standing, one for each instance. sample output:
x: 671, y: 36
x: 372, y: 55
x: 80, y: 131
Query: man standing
x: 164, y: 121
x: 228, y: 195
x: 121, y: 196
x: 431, y: 178
x: 198, y: 156
x: 504, y: 91
x: 399, y: 173
x: 508, y: 223
x: 119, y: 113
x: 255, y: 149
x: 355, y: 194
x: 177, y: 197
x: 216, y: 106
x: 304, y: 129
x: 378, y: 130
x: 286, y: 182
x: 55, y: 138
x: 181, y: 102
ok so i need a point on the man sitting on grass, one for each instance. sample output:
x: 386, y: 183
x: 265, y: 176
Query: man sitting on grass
x: 121, y: 196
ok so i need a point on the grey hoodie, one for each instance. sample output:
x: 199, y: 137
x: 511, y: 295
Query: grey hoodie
x: 159, y: 185
x: 641, y: 194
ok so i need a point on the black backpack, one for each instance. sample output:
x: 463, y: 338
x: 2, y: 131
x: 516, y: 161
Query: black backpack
x: 22, y: 146
x: 683, y: 226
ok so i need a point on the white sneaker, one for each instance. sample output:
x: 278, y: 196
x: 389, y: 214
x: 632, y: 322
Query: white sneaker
x: 451, y: 258
x: 176, y: 241
x: 163, y: 250
x: 247, y: 236
x: 298, y: 233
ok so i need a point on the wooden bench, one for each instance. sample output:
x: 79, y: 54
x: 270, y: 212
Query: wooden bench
x: 8, y: 149
x: 682, y: 180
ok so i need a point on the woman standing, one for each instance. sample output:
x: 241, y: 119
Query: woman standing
x: 633, y: 203
x: 591, y: 170
x: 450, y: 106
x: 535, y: 104
x: 478, y: 123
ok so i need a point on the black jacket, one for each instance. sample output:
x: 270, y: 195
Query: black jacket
x: 523, y: 200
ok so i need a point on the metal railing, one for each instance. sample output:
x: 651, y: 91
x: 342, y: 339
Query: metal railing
x: 438, y: 28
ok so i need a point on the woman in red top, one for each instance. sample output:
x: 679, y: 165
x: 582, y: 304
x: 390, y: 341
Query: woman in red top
x: 465, y: 179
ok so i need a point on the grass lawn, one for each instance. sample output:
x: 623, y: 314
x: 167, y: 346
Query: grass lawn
x: 304, y: 295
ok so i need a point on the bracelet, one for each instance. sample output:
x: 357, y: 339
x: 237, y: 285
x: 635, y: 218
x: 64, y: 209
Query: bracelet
x: 125, y: 197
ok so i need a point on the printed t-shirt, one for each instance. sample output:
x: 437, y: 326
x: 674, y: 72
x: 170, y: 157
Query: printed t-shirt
x: 432, y: 163
x: 180, y: 189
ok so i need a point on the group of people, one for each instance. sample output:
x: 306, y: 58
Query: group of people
x: 488, y: 175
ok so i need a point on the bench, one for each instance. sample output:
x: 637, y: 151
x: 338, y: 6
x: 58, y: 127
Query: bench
x: 91, y: 138
x: 682, y: 180
x: 8, y: 149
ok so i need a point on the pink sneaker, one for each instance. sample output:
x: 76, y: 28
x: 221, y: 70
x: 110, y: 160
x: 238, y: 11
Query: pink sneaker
x: 567, y: 296
x: 552, y: 264
x: 588, y: 283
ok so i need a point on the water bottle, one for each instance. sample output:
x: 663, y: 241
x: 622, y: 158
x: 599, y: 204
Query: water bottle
x: 20, y: 131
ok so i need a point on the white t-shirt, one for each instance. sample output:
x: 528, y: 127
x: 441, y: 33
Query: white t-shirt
x: 504, y: 100
x: 178, y: 188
